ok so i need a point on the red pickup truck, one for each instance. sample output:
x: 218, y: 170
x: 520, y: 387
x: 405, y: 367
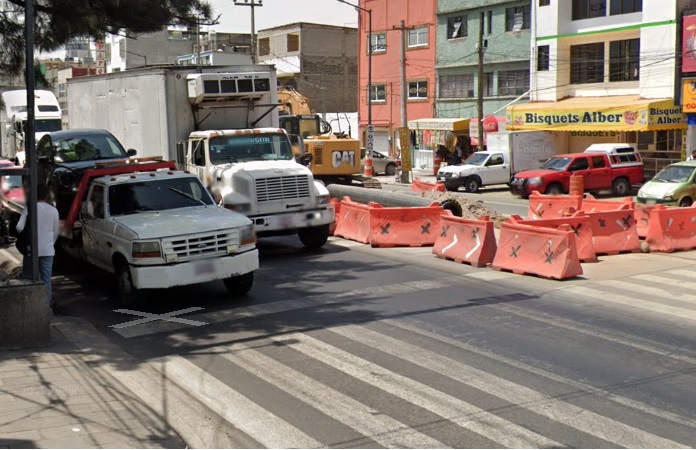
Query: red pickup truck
x: 600, y: 171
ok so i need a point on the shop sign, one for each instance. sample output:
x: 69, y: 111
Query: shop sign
x: 689, y: 95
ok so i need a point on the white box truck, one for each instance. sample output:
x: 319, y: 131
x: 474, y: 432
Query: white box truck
x: 13, y: 119
x: 220, y: 123
x: 507, y: 152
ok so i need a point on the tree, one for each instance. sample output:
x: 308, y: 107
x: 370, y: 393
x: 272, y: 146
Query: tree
x: 58, y: 21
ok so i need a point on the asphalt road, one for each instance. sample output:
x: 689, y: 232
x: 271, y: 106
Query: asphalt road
x: 358, y: 347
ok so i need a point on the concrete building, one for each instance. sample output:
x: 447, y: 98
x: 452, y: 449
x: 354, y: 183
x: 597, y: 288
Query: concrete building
x: 319, y: 61
x: 607, y: 71
x: 419, y: 37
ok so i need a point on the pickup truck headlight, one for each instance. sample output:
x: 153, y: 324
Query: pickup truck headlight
x: 241, y: 208
x: 535, y: 180
x: 146, y: 249
x: 322, y: 200
x: 247, y: 236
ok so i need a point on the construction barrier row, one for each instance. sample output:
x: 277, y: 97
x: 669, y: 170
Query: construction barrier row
x: 466, y: 240
x: 389, y: 227
x: 419, y: 185
x: 671, y: 229
x: 552, y: 206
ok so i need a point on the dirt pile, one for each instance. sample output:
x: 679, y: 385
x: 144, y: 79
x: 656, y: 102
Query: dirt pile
x: 471, y: 209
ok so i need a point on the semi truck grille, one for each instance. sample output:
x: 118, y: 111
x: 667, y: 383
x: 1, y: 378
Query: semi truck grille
x: 282, y: 188
x: 200, y: 245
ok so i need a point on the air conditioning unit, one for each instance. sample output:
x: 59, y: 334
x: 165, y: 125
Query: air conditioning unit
x: 227, y: 87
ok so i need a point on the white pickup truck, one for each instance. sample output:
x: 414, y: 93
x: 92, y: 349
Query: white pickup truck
x: 162, y: 229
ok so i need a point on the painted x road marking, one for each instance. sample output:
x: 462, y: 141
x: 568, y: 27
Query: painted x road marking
x: 169, y: 317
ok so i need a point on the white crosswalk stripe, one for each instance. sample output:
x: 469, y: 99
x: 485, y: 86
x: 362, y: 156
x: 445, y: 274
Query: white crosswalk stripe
x: 646, y: 291
x: 373, y: 424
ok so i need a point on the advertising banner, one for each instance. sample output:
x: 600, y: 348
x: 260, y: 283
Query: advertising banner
x: 688, y: 44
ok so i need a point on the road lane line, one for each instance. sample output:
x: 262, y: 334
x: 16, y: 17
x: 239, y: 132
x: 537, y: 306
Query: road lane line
x: 260, y: 309
x: 556, y: 410
x: 679, y: 297
x: 373, y: 424
x: 232, y: 406
x: 671, y: 282
x: 467, y: 416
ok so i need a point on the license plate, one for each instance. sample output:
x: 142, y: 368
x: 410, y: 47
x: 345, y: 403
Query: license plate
x: 650, y: 202
x: 443, y: 178
x: 204, y: 268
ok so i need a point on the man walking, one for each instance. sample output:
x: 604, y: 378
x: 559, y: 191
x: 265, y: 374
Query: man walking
x: 48, y: 229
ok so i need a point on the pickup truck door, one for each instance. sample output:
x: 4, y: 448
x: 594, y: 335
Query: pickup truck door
x: 95, y: 240
x: 497, y: 170
x: 600, y: 175
x: 581, y: 166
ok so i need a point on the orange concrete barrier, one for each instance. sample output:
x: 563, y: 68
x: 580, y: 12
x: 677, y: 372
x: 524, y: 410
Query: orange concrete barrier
x: 643, y: 215
x: 551, y: 206
x: 579, y: 224
x: 671, y: 229
x: 419, y: 185
x: 532, y: 250
x: 614, y: 232
x: 404, y: 227
x: 336, y: 204
x: 591, y: 204
x: 354, y: 221
x: 465, y: 240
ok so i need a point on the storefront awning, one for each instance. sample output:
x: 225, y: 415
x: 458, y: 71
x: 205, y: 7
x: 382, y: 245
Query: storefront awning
x: 454, y: 125
x: 615, y: 113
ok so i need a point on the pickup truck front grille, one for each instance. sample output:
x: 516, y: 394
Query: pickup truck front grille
x: 282, y: 188
x: 199, y: 246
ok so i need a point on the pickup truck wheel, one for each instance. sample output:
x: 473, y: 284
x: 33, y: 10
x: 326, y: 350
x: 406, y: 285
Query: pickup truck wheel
x: 686, y: 202
x: 451, y: 187
x: 314, y: 237
x: 128, y: 294
x: 621, y: 187
x: 554, y: 189
x: 239, y: 285
x: 472, y: 184
x: 390, y: 169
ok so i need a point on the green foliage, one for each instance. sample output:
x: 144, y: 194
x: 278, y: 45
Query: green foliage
x: 58, y: 21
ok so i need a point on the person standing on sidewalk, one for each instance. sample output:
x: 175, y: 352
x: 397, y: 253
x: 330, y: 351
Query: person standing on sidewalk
x: 48, y: 228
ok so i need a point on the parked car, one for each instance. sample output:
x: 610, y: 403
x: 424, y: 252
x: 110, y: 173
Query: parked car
x: 381, y: 163
x: 675, y: 185
x: 10, y: 190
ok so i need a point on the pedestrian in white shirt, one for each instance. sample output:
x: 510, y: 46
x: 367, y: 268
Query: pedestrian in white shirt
x: 692, y: 157
x: 48, y: 228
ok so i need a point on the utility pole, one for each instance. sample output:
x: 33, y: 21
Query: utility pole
x: 253, y: 4
x: 480, y: 82
x: 404, y: 87
x: 29, y: 138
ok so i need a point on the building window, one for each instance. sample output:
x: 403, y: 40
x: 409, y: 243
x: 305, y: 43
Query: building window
x: 626, y: 6
x: 543, y: 58
x: 489, y: 21
x: 513, y: 82
x: 62, y: 89
x: 587, y: 63
x: 488, y: 87
x: 379, y: 42
x: 518, y: 18
x: 544, y: 2
x: 457, y: 27
x: 624, y: 60
x: 418, y: 37
x: 587, y: 9
x: 457, y: 86
x: 378, y: 93
x: 264, y: 46
x: 417, y: 89
x: 293, y: 42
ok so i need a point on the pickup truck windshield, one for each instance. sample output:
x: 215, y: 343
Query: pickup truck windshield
x: 157, y: 195
x: 477, y: 159
x: 674, y: 174
x: 11, y: 182
x: 250, y: 147
x: 559, y: 164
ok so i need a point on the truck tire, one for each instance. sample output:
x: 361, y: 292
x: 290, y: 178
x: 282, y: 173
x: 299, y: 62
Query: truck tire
x: 239, y: 285
x: 621, y: 187
x: 128, y: 294
x: 554, y: 189
x: 390, y: 169
x: 472, y: 184
x: 451, y: 187
x: 314, y: 237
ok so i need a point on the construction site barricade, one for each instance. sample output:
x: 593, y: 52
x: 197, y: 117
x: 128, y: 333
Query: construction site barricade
x: 419, y: 185
x: 336, y: 205
x: 591, y: 204
x: 643, y: 217
x: 579, y: 224
x: 466, y: 240
x: 551, y: 206
x: 354, y: 221
x: 671, y: 229
x: 614, y: 231
x: 404, y: 227
x: 531, y: 250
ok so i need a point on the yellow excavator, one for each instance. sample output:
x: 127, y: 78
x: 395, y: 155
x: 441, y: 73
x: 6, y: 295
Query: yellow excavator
x: 336, y: 157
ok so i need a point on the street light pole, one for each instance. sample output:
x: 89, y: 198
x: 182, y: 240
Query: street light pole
x: 370, y: 128
x: 253, y: 4
x: 29, y: 138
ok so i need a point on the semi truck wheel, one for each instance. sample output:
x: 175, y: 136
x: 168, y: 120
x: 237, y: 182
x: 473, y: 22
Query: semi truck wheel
x: 128, y: 294
x: 314, y: 237
x: 239, y: 285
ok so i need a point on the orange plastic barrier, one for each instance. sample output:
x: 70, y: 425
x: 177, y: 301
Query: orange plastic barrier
x: 465, y: 240
x: 614, y: 231
x: 419, y: 185
x: 336, y: 204
x: 404, y: 227
x: 579, y: 224
x: 671, y: 229
x: 532, y: 250
x: 591, y: 204
x: 354, y: 221
x: 551, y: 206
x: 643, y: 217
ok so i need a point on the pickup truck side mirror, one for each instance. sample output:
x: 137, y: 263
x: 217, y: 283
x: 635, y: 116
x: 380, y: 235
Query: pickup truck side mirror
x: 305, y: 159
x: 131, y: 152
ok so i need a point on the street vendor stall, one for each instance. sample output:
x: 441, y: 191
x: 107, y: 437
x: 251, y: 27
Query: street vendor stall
x: 430, y: 138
